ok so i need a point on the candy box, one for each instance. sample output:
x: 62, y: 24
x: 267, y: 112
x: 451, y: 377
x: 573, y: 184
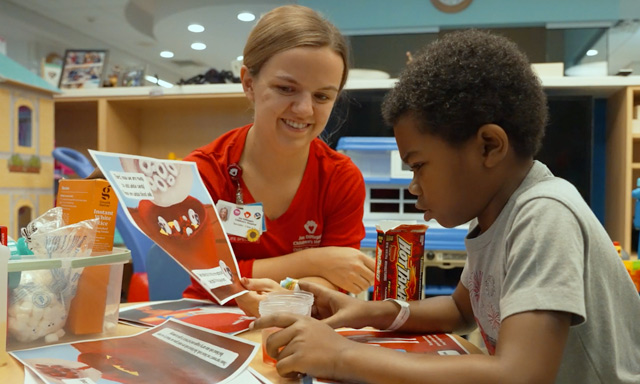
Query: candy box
x: 41, y: 307
x: 399, y: 261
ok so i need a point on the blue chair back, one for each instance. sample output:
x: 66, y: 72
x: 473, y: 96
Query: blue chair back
x: 167, y: 279
x: 74, y: 160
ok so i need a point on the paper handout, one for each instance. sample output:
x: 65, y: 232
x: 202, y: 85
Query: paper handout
x: 173, y: 352
x: 168, y: 202
x: 230, y: 320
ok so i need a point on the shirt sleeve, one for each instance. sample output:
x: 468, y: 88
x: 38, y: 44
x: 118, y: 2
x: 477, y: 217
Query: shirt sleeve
x: 545, y: 261
x: 210, y: 173
x: 343, y: 224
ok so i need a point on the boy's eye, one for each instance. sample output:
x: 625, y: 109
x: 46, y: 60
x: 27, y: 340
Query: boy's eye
x: 416, y: 166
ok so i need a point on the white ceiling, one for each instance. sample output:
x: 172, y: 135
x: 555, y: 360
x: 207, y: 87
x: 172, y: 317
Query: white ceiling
x: 135, y: 31
x: 144, y: 28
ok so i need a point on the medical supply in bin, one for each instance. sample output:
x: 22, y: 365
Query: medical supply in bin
x: 4, y: 264
x: 40, y: 321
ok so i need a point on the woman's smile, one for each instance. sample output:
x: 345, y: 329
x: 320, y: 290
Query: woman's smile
x: 295, y: 125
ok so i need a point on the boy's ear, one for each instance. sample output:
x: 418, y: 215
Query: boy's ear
x: 494, y: 144
x: 247, y: 82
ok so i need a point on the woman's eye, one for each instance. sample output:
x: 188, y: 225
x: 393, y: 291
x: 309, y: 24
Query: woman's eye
x: 285, y: 89
x: 322, y: 97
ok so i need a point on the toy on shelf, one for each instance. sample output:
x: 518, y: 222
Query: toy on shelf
x: 633, y: 266
x: 636, y: 195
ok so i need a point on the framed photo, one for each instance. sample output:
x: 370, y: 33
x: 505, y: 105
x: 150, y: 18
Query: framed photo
x: 132, y: 77
x: 82, y: 68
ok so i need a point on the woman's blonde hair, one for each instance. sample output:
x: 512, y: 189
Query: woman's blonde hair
x: 292, y: 26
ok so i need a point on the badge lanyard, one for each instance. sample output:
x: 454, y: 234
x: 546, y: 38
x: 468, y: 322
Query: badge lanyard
x: 235, y: 172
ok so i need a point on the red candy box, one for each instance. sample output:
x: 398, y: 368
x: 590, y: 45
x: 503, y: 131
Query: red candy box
x: 399, y: 261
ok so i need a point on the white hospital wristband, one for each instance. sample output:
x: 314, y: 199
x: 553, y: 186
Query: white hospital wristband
x: 402, y: 317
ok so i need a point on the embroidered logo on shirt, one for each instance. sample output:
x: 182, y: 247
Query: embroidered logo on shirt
x: 311, y: 226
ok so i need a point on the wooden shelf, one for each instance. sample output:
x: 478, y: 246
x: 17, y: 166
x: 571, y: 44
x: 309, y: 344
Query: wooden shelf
x: 623, y: 165
x: 153, y: 121
x: 138, y: 121
x: 600, y: 86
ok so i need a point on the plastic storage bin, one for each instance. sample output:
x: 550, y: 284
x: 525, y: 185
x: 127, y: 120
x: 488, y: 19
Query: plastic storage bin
x: 34, y: 305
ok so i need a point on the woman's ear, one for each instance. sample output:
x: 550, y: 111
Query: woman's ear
x: 247, y: 82
x: 494, y: 143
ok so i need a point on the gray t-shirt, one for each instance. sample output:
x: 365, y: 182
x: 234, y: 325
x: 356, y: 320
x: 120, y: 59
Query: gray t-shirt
x: 548, y: 251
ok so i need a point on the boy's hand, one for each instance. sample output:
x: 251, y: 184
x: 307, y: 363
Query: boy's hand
x: 305, y: 345
x: 335, y: 308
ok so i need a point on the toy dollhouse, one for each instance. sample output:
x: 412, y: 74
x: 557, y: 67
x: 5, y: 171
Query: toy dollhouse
x: 26, y: 143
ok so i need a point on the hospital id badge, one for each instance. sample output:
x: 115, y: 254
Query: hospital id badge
x: 242, y: 220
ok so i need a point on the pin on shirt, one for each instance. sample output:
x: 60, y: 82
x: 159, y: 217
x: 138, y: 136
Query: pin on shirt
x: 235, y: 172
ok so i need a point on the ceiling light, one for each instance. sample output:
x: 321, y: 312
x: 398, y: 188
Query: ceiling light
x: 160, y: 82
x: 167, y: 54
x: 240, y: 58
x: 165, y: 84
x: 592, y: 52
x: 198, y: 46
x: 195, y: 28
x: 246, y: 16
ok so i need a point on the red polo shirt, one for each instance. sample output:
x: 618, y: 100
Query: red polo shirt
x: 327, y: 209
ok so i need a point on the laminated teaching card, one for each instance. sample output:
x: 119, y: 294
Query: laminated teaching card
x: 173, y: 352
x: 434, y: 343
x: 168, y: 202
x: 230, y: 320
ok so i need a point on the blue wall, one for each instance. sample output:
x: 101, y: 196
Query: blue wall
x: 385, y: 16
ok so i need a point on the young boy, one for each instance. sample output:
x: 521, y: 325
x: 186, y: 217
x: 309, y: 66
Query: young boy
x: 542, y: 281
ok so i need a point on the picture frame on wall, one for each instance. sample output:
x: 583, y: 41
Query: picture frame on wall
x: 132, y: 77
x: 83, y: 68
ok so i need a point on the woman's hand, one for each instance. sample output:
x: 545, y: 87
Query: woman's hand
x: 262, y: 285
x: 258, y: 289
x: 345, y: 267
x: 305, y: 345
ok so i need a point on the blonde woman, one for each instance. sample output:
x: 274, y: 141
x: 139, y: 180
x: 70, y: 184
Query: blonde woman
x: 295, y: 66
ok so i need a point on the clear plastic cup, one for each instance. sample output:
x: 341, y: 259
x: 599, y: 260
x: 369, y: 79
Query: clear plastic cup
x: 297, y: 302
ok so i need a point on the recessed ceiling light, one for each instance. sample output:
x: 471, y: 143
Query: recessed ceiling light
x: 160, y: 82
x: 592, y: 52
x: 167, y: 54
x: 240, y: 58
x: 198, y: 46
x: 195, y: 28
x: 165, y: 84
x: 246, y: 16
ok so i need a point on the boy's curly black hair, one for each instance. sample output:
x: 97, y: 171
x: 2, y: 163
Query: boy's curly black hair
x: 465, y: 80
